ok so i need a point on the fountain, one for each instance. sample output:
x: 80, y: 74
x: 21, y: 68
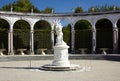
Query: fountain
x: 61, y: 61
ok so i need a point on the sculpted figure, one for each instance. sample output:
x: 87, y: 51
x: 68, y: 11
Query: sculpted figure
x: 59, y: 39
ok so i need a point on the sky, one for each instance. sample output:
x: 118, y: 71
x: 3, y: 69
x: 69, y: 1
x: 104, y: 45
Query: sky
x: 63, y: 6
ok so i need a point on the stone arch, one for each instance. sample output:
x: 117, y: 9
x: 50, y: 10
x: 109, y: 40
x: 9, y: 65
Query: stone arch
x: 42, y: 35
x: 21, y: 23
x: 118, y: 25
x: 40, y: 23
x: 4, y: 27
x: 83, y: 35
x: 104, y: 17
x: 21, y: 35
x: 104, y: 34
x: 6, y: 19
x: 4, y: 23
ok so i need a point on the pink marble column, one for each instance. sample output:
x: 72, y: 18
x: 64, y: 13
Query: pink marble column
x: 32, y: 42
x: 10, y: 43
x: 115, y: 40
x: 93, y: 40
x: 72, y: 39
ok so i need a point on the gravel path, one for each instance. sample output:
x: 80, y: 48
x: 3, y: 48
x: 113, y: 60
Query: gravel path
x: 93, y: 70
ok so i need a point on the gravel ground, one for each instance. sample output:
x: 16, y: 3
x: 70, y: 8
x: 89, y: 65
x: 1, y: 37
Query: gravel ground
x: 93, y: 70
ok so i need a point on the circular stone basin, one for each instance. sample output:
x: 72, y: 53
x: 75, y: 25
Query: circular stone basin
x: 50, y: 67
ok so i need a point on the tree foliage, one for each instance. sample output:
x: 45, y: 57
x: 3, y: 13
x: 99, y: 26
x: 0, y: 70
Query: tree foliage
x: 103, y: 8
x: 20, y: 6
x: 79, y: 10
x: 47, y: 10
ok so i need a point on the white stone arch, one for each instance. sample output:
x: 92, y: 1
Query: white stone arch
x: 46, y: 20
x: 26, y: 20
x: 104, y: 17
x: 6, y: 19
x: 86, y: 19
x: 117, y: 19
x: 65, y: 21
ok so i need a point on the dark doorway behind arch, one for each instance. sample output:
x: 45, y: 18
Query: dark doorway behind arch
x: 21, y: 35
x: 4, y: 28
x: 104, y: 35
x: 118, y: 25
x: 42, y: 36
x: 83, y: 35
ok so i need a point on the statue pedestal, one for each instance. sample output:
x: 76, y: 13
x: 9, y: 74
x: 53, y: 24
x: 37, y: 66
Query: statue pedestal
x: 61, y: 56
x: 60, y: 62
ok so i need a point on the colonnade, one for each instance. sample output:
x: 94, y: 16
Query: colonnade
x: 53, y: 19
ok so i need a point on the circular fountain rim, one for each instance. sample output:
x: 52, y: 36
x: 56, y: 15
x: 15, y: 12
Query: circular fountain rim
x: 50, y: 67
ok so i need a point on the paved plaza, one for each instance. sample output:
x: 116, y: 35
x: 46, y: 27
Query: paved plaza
x: 93, y: 70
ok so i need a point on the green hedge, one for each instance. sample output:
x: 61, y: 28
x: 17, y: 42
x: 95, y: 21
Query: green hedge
x: 42, y: 39
x: 104, y: 39
x: 83, y: 39
x: 66, y: 37
x: 4, y: 38
x: 21, y: 39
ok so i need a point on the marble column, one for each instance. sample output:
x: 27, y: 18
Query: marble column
x: 52, y: 38
x: 32, y: 42
x: 10, y: 43
x: 93, y: 40
x: 52, y: 35
x: 72, y: 39
x: 115, y: 39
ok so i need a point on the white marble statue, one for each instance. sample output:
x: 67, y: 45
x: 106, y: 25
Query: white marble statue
x: 59, y: 39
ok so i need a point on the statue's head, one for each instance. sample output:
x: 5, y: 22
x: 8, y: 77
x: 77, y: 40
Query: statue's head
x: 58, y: 29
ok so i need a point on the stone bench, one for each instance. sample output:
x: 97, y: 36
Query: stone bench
x: 1, y: 51
x: 103, y: 50
x: 82, y: 50
x: 42, y: 50
x: 21, y: 51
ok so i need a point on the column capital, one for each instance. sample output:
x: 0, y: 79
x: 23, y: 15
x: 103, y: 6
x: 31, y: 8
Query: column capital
x: 31, y: 31
x: 10, y: 31
x: 93, y: 30
x: 52, y: 31
x: 115, y: 29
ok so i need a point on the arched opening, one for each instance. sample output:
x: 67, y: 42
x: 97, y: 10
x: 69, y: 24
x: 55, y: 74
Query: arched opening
x: 66, y: 33
x: 104, y: 35
x: 118, y: 25
x: 83, y: 35
x: 42, y: 36
x: 21, y: 39
x: 4, y: 27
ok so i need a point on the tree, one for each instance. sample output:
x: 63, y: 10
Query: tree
x: 20, y: 6
x: 93, y: 9
x: 103, y: 8
x: 78, y: 10
x: 67, y: 28
x: 47, y: 10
